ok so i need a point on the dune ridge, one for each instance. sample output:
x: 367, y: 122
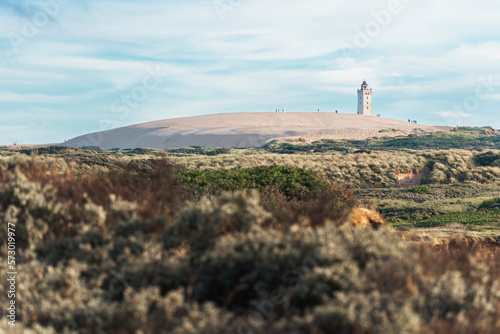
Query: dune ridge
x: 246, y: 130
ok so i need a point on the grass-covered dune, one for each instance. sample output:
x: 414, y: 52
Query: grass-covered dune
x: 166, y: 242
x: 456, y: 181
x: 464, y: 138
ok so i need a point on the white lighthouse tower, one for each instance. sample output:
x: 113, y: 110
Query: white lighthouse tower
x: 365, y: 100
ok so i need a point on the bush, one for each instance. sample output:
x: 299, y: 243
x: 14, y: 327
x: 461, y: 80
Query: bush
x: 420, y: 190
x: 493, y: 203
x: 32, y: 208
x: 201, y: 151
x: 291, y: 181
x: 487, y: 159
x: 481, y: 217
x: 200, y: 223
x: 365, y: 313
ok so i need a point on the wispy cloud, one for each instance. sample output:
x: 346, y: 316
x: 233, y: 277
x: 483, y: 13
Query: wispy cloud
x: 453, y: 114
x: 24, y: 98
x: 261, y: 56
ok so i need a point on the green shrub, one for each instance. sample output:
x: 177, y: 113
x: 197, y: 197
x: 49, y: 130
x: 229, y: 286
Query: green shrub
x: 201, y: 151
x: 291, y: 181
x: 426, y: 141
x: 487, y: 159
x: 493, y: 203
x: 420, y: 190
x: 481, y: 217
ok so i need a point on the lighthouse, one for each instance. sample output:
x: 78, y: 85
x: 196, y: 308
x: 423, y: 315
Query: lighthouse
x: 365, y: 100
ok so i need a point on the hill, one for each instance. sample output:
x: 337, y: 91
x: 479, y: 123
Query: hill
x: 246, y: 130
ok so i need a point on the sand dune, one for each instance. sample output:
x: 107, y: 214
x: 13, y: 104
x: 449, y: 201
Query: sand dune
x: 245, y: 130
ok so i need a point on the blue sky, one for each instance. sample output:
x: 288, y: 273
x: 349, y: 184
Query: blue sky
x: 70, y: 67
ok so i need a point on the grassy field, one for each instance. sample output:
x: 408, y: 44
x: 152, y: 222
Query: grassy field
x: 256, y: 240
x: 411, y: 188
x: 455, y: 181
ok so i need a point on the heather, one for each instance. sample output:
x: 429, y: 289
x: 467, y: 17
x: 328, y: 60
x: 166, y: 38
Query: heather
x: 143, y: 241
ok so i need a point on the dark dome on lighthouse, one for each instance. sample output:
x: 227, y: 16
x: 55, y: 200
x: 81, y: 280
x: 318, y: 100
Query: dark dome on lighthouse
x: 364, y: 85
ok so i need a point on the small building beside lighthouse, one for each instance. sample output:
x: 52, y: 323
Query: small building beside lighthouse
x: 365, y: 100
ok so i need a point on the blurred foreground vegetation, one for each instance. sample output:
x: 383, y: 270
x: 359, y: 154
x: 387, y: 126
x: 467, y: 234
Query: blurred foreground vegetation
x: 249, y: 241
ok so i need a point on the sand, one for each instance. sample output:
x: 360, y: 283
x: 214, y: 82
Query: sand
x: 246, y: 130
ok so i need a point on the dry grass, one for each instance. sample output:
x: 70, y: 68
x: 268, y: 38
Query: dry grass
x: 382, y: 168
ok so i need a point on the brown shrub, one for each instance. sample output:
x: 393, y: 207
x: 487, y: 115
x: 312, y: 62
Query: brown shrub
x: 333, y: 204
x: 151, y: 185
x: 362, y: 217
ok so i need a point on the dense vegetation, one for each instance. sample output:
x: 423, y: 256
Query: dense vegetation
x: 291, y: 181
x: 464, y: 217
x: 492, y: 203
x: 246, y: 241
x: 406, y: 186
x: 463, y: 138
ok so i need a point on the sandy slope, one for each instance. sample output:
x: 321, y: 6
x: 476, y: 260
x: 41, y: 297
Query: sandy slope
x: 244, y: 130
